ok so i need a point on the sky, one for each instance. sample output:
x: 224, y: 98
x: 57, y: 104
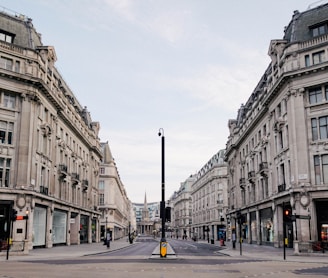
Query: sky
x: 184, y: 66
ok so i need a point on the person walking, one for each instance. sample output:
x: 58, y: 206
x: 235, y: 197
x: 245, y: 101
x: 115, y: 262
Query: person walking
x: 108, y: 239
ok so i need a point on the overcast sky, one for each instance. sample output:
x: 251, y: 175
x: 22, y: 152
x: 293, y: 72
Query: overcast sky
x: 139, y: 65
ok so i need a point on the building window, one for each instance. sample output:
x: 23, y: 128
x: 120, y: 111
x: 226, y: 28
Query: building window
x: 43, y: 177
x: 319, y: 30
x: 264, y: 130
x: 6, y: 37
x: 315, y: 95
x: 17, y: 66
x: 6, y: 132
x: 307, y: 61
x: 314, y: 127
x: 102, y: 171
x: 280, y: 142
x: 322, y: 131
x: 101, y: 185
x: 279, y: 110
x: 253, y: 195
x: 317, y: 174
x: 9, y: 101
x: 323, y: 126
x: 318, y: 57
x: 321, y: 168
x: 243, y: 197
x: 6, y: 63
x: 101, y: 199
x: 325, y: 168
x: 4, y: 172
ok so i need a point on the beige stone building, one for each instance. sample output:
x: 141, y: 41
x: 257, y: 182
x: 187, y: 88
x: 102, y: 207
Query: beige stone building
x: 210, y: 200
x: 49, y: 147
x: 277, y: 149
x: 181, y: 210
x: 114, y: 203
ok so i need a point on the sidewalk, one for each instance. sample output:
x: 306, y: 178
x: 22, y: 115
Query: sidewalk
x: 264, y: 252
x: 61, y: 252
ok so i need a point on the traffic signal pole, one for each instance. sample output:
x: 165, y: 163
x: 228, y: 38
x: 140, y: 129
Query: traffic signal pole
x: 284, y: 240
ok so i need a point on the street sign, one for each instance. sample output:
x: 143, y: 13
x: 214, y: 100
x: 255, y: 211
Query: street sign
x: 303, y: 217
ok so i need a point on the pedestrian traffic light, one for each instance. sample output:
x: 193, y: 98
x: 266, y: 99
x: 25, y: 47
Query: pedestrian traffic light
x: 13, y: 215
x: 287, y: 215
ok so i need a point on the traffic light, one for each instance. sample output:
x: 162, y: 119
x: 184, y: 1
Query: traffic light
x: 287, y: 215
x: 13, y: 215
x: 168, y: 214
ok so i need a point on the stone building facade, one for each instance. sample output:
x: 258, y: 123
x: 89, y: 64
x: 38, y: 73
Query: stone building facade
x: 49, y: 147
x: 277, y: 151
x: 210, y: 200
x: 114, y: 203
x: 181, y: 210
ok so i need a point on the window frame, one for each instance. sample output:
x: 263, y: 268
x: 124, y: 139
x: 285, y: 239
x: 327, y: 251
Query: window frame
x: 315, y: 95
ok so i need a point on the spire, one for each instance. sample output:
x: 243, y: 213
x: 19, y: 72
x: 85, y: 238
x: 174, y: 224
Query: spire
x: 145, y: 212
x: 145, y: 201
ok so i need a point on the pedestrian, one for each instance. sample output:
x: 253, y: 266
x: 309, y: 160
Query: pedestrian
x: 108, y: 239
x: 233, y: 240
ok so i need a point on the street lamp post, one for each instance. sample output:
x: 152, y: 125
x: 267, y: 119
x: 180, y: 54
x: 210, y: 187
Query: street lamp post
x: 163, y: 243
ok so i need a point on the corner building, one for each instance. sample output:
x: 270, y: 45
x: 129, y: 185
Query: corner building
x: 49, y: 146
x: 277, y: 148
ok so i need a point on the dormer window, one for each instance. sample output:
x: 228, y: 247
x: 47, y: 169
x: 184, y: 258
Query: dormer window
x: 319, y: 30
x: 6, y: 37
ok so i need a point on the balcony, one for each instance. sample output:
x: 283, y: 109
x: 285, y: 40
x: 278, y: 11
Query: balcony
x: 85, y: 184
x: 242, y: 183
x: 251, y: 176
x: 75, y: 178
x: 43, y: 190
x: 62, y: 170
x: 264, y: 169
x: 281, y: 187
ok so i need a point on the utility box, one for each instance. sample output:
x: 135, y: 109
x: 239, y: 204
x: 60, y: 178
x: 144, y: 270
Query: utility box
x: 163, y: 249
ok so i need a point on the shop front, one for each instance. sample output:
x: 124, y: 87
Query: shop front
x: 84, y: 220
x: 267, y: 227
x: 322, y: 222
x: 59, y: 225
x: 39, y: 226
x: 253, y: 227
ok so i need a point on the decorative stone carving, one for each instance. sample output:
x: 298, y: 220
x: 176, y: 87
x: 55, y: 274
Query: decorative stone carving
x: 304, y: 199
x: 46, y: 129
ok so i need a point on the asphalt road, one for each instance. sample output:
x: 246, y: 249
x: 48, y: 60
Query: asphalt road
x: 193, y: 260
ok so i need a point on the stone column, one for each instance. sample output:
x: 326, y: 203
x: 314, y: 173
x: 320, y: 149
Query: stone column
x: 49, y: 230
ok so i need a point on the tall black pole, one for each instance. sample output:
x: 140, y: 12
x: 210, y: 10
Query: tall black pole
x: 284, y: 228
x: 161, y: 133
x: 163, y: 240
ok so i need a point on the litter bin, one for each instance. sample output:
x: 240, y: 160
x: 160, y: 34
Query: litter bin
x: 212, y: 241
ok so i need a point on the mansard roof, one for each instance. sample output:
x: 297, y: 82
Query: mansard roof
x: 21, y: 28
x: 107, y: 154
x: 299, y: 28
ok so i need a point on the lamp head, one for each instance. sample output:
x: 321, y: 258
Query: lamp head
x: 161, y: 132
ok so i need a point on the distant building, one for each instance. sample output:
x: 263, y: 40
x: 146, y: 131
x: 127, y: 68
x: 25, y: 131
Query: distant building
x: 114, y: 204
x: 210, y: 200
x: 181, y: 210
x: 147, y: 217
x: 49, y: 146
x: 277, y: 151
